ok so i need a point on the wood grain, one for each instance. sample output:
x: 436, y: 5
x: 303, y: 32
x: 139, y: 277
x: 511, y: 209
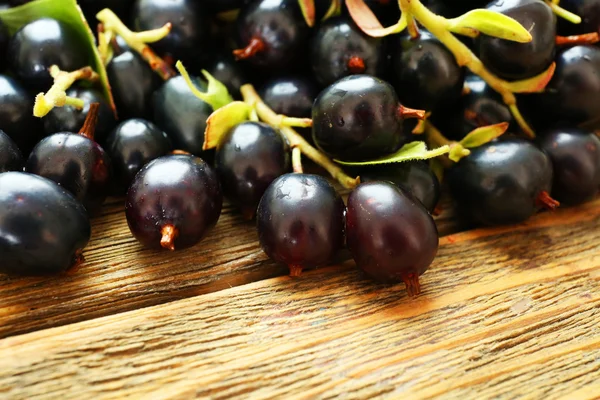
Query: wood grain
x: 505, y: 313
x: 119, y: 275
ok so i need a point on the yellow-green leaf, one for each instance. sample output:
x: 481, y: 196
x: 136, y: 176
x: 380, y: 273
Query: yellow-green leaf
x: 534, y: 84
x: 216, y: 94
x: 408, y: 152
x: 490, y: 23
x: 308, y: 11
x: 68, y: 12
x: 366, y: 20
x: 483, y: 135
x: 223, y: 120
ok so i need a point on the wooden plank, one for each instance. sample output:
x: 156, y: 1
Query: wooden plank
x: 504, y: 313
x: 119, y: 275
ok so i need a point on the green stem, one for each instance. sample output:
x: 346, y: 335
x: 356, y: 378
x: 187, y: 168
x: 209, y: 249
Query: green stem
x: 438, y: 26
x: 297, y: 160
x: 294, y: 138
x: 561, y: 12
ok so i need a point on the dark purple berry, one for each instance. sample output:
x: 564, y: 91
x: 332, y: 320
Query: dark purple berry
x: 173, y: 202
x: 131, y: 145
x: 501, y: 183
x: 11, y: 158
x: 575, y: 156
x: 300, y: 221
x: 390, y: 234
x: 248, y: 159
x: 291, y: 96
x: 43, y: 229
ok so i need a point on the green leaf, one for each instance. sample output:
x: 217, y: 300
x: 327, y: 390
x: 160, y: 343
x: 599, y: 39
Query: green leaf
x: 223, y: 120
x: 490, y: 23
x: 534, y: 84
x: 368, y: 22
x: 216, y: 94
x: 408, y: 152
x: 334, y: 9
x: 483, y: 135
x: 308, y: 11
x: 68, y: 12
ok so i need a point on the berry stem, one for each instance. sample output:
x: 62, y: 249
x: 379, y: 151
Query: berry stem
x: 297, y: 160
x: 169, y: 234
x: 295, y: 270
x: 294, y: 138
x: 545, y: 201
x: 564, y: 14
x: 255, y: 46
x: 296, y: 122
x: 586, y: 38
x: 439, y: 27
x: 138, y: 41
x: 57, y: 95
x: 105, y: 41
x: 413, y: 287
x: 91, y: 120
x: 407, y: 113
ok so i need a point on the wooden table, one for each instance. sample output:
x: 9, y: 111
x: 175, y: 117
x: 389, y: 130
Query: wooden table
x: 510, y: 312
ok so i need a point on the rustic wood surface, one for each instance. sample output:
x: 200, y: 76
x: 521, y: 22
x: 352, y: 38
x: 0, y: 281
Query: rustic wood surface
x: 120, y: 275
x: 505, y: 313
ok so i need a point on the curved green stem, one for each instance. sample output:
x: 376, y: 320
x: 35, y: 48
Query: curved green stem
x: 564, y: 14
x: 295, y: 140
x: 438, y: 26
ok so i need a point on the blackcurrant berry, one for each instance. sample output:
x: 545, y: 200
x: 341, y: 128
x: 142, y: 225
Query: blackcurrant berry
x: 70, y: 119
x: 359, y: 117
x: 173, y: 202
x: 181, y: 114
x: 339, y: 48
x: 43, y: 229
x: 131, y: 145
x: 503, y: 182
x: 575, y: 156
x: 132, y: 82
x: 425, y: 73
x: 248, y: 159
x: 16, y: 118
x: 290, y: 96
x: 38, y: 45
x: 415, y: 177
x: 11, y: 158
x: 300, y: 221
x: 75, y: 162
x: 272, y: 33
x: 390, y: 234
x: 190, y: 26
x: 512, y: 60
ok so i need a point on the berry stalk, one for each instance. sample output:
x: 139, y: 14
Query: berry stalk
x: 295, y: 140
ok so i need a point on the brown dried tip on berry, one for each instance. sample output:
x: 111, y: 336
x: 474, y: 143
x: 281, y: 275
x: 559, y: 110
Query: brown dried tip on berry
x: 181, y: 152
x: 413, y: 287
x: 545, y: 201
x: 407, y: 113
x: 91, y: 120
x: 255, y: 46
x: 356, y: 65
x: 295, y: 270
x: 169, y: 234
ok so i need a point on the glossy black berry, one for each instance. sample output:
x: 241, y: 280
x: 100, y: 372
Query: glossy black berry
x: 189, y: 32
x: 70, y: 119
x: 16, y: 117
x: 390, y: 234
x: 512, y: 60
x: 226, y: 70
x: 575, y: 156
x: 132, y: 82
x: 414, y: 176
x: 358, y: 118
x: 173, y: 202
x: 43, y: 229
x: 38, y: 45
x: 75, y: 162
x: 425, y: 73
x: 290, y: 96
x: 271, y: 33
x: 131, y: 145
x: 11, y: 158
x: 502, y: 182
x: 300, y: 221
x: 248, y: 159
x: 181, y: 114
x: 339, y: 48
